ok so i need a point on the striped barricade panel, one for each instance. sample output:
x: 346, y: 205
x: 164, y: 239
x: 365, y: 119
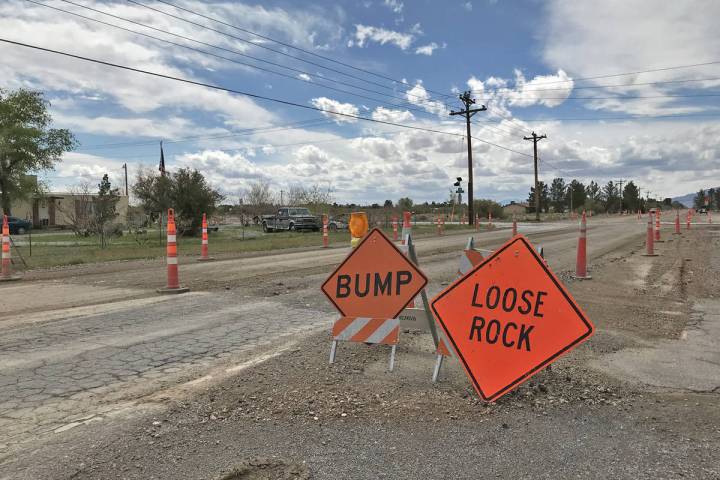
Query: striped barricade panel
x: 384, y: 331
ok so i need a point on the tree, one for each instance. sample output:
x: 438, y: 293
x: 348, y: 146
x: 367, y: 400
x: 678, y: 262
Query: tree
x: 388, y: 204
x: 631, y: 197
x: 186, y: 191
x: 485, y: 206
x: 712, y: 194
x: 104, y: 208
x: 544, y: 198
x: 611, y: 197
x: 405, y: 204
x: 153, y: 191
x: 717, y: 198
x: 192, y: 196
x: 259, y: 194
x: 557, y: 194
x: 576, y: 192
x: 699, y: 200
x: 27, y: 143
x: 593, y: 191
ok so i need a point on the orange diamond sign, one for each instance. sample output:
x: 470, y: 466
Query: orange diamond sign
x: 508, y: 318
x: 376, y: 280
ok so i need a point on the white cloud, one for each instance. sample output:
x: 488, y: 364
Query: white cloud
x: 394, y: 5
x: 365, y: 34
x: 428, y: 49
x: 468, y: 6
x: 390, y: 115
x: 677, y: 34
x: 531, y: 93
x: 305, y: 76
x: 338, y: 107
x: 419, y: 96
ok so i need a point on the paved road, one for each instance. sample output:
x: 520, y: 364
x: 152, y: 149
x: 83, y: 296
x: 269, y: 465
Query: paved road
x: 96, y: 344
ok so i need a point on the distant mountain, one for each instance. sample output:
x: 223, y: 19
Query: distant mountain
x: 687, y: 200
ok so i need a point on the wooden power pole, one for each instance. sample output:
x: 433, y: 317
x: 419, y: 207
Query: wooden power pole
x: 535, y: 139
x: 468, y: 112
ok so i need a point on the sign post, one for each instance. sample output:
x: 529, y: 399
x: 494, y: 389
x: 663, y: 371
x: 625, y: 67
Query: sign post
x: 508, y: 318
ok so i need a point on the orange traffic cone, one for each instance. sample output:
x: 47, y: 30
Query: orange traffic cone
x: 677, y: 223
x: 439, y: 228
x: 395, y: 229
x: 514, y: 227
x: 326, y: 239
x: 6, y: 274
x: 173, y: 282
x: 204, y: 245
x: 657, y: 226
x: 407, y: 227
x: 688, y: 220
x: 650, y: 240
x: 581, y: 263
x: 490, y: 220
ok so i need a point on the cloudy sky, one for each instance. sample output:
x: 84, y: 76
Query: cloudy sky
x: 616, y: 86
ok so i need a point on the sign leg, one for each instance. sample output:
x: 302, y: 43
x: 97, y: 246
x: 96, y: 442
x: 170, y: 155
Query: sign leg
x: 392, y: 358
x: 333, y: 348
x: 436, y: 371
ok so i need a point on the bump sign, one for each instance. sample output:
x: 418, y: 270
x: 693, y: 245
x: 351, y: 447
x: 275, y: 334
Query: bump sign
x: 376, y: 280
x: 508, y: 318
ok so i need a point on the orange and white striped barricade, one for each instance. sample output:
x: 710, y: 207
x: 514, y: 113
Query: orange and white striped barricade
x: 688, y: 220
x: 395, y: 229
x: 204, y: 257
x: 375, y: 331
x: 326, y: 240
x: 173, y: 281
x: 407, y: 226
x: 6, y: 274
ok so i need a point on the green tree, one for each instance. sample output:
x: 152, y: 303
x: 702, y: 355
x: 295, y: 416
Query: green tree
x: 699, y: 201
x: 557, y: 194
x: 593, y: 191
x: 405, y: 204
x: 544, y: 198
x: 576, y: 192
x: 611, y: 197
x: 27, y: 143
x: 388, y: 204
x: 186, y: 191
x: 717, y: 198
x: 104, y: 208
x: 631, y: 197
x: 712, y: 195
x: 484, y: 206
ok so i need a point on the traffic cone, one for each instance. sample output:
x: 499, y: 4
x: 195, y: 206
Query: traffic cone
x: 173, y: 282
x: 650, y: 240
x: 437, y: 224
x: 677, y: 223
x: 442, y: 224
x: 407, y: 227
x: 490, y: 220
x: 581, y: 263
x: 395, y: 229
x: 326, y: 240
x: 6, y: 274
x: 657, y: 226
x: 514, y: 226
x: 204, y: 257
x: 688, y: 220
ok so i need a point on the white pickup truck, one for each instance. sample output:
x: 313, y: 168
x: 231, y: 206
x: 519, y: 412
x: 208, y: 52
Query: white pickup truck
x: 291, y: 218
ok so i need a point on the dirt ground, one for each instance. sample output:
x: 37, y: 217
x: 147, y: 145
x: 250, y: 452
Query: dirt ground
x: 610, y: 409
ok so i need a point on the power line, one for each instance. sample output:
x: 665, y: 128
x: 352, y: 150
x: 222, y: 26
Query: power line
x: 230, y: 50
x: 249, y: 131
x: 264, y: 37
x: 247, y: 94
x: 244, y: 40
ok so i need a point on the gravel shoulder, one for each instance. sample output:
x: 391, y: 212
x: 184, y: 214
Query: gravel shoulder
x: 592, y: 415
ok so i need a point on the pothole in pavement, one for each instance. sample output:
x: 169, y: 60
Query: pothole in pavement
x: 264, y: 469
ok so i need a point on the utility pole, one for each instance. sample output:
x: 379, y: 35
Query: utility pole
x: 535, y: 139
x: 281, y: 198
x: 126, y: 182
x: 468, y: 112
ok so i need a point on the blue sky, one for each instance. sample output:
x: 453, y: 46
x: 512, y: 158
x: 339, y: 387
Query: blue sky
x: 525, y: 60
